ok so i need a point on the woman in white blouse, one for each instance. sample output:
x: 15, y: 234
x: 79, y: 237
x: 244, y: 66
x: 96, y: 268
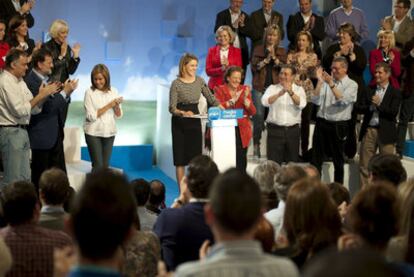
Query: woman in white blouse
x: 102, y: 106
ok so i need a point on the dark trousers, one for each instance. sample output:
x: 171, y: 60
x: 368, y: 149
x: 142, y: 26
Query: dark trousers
x: 241, y: 153
x: 100, y: 150
x: 45, y: 159
x: 283, y: 143
x: 328, y: 141
x: 304, y: 127
x: 406, y: 113
x: 350, y: 146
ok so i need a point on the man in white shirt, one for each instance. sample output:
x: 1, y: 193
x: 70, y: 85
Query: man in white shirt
x: 285, y: 101
x: 16, y: 105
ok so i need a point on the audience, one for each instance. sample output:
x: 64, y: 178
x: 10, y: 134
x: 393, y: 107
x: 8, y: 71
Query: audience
x: 18, y: 35
x: 147, y: 218
x: 386, y: 168
x: 183, y: 230
x: 341, y: 197
x: 264, y: 174
x: 31, y: 245
x: 9, y: 8
x: 312, y: 171
x: 4, y: 46
x: 5, y: 258
x: 156, y: 198
x: 265, y: 235
x: 233, y: 218
x: 53, y: 192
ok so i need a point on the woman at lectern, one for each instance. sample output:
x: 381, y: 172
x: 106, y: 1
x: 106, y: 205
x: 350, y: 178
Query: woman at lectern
x: 233, y: 95
x: 185, y: 93
x: 102, y: 107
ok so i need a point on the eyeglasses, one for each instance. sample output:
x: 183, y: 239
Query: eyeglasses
x: 399, y: 7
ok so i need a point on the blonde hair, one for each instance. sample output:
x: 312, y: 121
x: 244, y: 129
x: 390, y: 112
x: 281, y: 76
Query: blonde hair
x: 308, y: 35
x: 101, y: 69
x: 225, y: 28
x: 57, y: 27
x: 270, y: 30
x: 389, y: 34
x: 185, y: 59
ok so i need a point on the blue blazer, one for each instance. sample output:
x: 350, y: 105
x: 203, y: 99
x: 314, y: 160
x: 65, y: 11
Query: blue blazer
x: 47, y: 126
x: 181, y: 232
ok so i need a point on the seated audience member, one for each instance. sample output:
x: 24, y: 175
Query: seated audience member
x: 264, y: 174
x: 386, y: 168
x: 233, y: 218
x: 67, y: 205
x: 340, y: 195
x: 18, y: 35
x: 283, y: 180
x: 31, y: 245
x: 387, y: 53
x: 10, y: 8
x: 222, y: 56
x: 265, y: 64
x: 53, y: 191
x: 311, y: 222
x: 312, y: 171
x: 354, y: 262
x: 141, y: 190
x: 399, y: 248
x: 372, y: 218
x: 102, y: 219
x: 378, y: 129
x: 156, y: 198
x: 4, y: 46
x: 265, y: 235
x: 5, y: 258
x: 233, y: 95
x: 182, y: 231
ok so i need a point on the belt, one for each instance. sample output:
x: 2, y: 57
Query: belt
x: 272, y: 125
x: 15, y: 126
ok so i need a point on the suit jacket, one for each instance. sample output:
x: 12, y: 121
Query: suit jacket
x: 222, y: 94
x: 408, y: 62
x: 375, y: 56
x: 181, y: 232
x: 388, y: 110
x: 45, y: 127
x: 296, y: 23
x: 213, y: 64
x: 53, y: 220
x: 405, y: 32
x: 224, y: 18
x: 257, y: 24
x: 7, y: 11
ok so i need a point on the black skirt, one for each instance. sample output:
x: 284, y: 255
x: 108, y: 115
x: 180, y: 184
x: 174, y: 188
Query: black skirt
x: 186, y: 136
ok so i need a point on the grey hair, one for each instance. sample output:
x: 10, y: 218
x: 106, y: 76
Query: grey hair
x: 286, y: 177
x: 264, y: 174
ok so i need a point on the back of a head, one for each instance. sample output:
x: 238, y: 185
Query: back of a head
x: 54, y: 186
x: 157, y: 193
x: 373, y: 215
x: 387, y: 167
x: 103, y: 213
x: 141, y: 189
x: 311, y: 219
x: 355, y: 263
x: 235, y: 200
x: 339, y: 193
x: 200, y: 175
x: 264, y: 174
x: 286, y: 177
x: 19, y: 201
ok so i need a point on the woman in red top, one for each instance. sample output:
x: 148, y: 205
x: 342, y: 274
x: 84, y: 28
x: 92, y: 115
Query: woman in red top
x: 221, y: 56
x: 233, y: 95
x: 4, y: 47
x: 386, y: 52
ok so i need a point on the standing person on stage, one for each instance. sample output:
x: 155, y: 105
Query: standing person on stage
x: 306, y: 20
x: 9, y: 8
x: 221, y: 56
x: 46, y: 128
x: 16, y: 105
x: 378, y: 129
x: 304, y: 59
x: 102, y: 107
x: 285, y: 101
x: 185, y: 93
x: 263, y: 18
x: 346, y: 13
x: 335, y: 95
x: 18, y: 35
x: 238, y: 21
x: 233, y: 95
x: 266, y: 60
x: 4, y: 46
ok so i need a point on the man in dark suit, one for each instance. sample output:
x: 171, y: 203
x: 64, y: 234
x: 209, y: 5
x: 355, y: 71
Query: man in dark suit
x: 238, y: 21
x: 306, y: 20
x: 9, y: 8
x: 378, y: 129
x: 262, y: 18
x: 46, y: 128
x: 183, y: 230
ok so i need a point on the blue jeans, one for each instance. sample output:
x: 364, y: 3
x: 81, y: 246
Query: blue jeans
x: 258, y: 118
x: 15, y: 151
x: 100, y: 150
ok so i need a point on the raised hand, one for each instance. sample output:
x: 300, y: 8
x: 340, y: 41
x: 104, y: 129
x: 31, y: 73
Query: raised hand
x: 76, y: 49
x: 391, y: 56
x: 48, y: 89
x: 70, y: 85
